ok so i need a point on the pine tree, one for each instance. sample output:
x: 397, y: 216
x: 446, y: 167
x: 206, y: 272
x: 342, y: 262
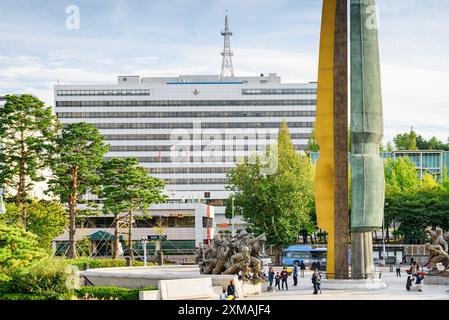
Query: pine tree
x: 80, y: 153
x: 28, y: 131
x: 127, y: 187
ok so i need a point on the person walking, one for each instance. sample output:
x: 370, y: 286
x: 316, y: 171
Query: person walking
x: 302, y: 267
x: 284, y: 277
x: 295, y: 274
x: 315, y: 277
x: 231, y: 291
x: 278, y: 281
x: 318, y: 266
x: 271, y: 275
x: 398, y: 269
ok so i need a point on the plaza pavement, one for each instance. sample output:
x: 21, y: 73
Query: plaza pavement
x: 395, y: 291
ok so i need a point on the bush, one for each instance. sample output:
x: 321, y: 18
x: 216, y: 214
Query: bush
x: 49, y: 279
x: 104, y: 263
x: 18, y: 249
x: 109, y: 293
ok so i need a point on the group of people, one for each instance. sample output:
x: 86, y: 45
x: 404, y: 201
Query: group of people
x: 280, y: 278
x: 415, y: 278
x: 230, y: 292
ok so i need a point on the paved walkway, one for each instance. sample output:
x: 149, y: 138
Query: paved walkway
x: 395, y: 291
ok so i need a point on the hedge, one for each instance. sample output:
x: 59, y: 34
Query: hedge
x: 104, y: 263
x: 109, y: 293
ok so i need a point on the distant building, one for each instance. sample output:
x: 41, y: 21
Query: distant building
x: 425, y: 161
x: 186, y: 226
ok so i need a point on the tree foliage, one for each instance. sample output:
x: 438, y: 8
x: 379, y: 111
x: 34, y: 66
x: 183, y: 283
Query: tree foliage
x: 400, y: 176
x: 414, y: 211
x: 277, y: 204
x: 406, y: 141
x: 18, y: 249
x: 27, y: 135
x: 45, y: 219
x: 80, y: 149
x: 127, y: 187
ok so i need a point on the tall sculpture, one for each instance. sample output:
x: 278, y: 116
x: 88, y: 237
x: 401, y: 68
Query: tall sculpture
x: 331, y: 180
x: 367, y: 171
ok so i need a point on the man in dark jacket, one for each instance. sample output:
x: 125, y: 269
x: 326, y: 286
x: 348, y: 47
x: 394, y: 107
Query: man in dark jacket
x: 295, y: 274
x: 316, y: 279
x: 302, y: 266
x: 284, y: 277
x: 231, y: 290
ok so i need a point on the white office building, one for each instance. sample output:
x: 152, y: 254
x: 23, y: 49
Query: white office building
x: 190, y: 130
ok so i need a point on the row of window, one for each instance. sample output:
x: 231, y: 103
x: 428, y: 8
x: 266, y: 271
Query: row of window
x: 215, y: 125
x: 207, y: 148
x: 189, y: 170
x: 180, y: 221
x: 218, y: 146
x: 63, y: 93
x: 186, y: 103
x: 199, y: 114
x: 197, y: 181
x: 189, y: 159
x: 169, y: 137
x: 278, y: 91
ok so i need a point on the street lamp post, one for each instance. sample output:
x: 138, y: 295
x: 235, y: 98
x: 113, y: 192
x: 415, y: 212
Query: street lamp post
x: 144, y: 241
x: 232, y: 220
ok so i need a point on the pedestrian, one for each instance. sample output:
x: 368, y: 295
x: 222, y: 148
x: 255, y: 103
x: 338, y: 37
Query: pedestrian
x: 278, y: 281
x: 419, y: 281
x: 414, y: 268
x: 411, y: 261
x: 271, y: 275
x: 231, y: 291
x: 408, y: 284
x: 302, y: 267
x: 315, y: 280
x: 223, y: 295
x: 398, y: 268
x: 284, y: 277
x: 319, y: 281
x: 295, y: 274
x: 318, y: 266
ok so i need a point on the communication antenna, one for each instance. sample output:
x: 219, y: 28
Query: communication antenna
x: 227, y: 70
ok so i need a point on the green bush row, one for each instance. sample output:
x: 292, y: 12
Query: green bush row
x: 104, y: 263
x: 109, y: 293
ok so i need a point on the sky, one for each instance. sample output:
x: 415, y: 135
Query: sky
x: 172, y: 37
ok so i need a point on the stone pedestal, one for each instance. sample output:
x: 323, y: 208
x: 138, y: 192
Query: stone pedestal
x: 362, y: 264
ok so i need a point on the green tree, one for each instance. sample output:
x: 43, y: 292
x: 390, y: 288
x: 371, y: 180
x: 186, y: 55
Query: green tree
x: 400, y: 176
x: 406, y: 141
x: 414, y: 211
x: 277, y: 204
x: 312, y: 145
x: 28, y: 131
x: 45, y: 219
x: 18, y: 249
x: 127, y: 187
x: 80, y: 149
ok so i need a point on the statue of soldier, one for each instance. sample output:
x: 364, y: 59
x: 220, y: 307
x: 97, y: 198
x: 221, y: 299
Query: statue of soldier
x: 438, y: 238
x: 240, y: 262
x: 223, y: 250
x: 256, y: 263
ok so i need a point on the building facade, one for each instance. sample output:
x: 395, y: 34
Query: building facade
x: 191, y: 130
x: 185, y: 227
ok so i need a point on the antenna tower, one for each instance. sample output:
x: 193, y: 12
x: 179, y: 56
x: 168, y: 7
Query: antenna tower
x: 227, y: 71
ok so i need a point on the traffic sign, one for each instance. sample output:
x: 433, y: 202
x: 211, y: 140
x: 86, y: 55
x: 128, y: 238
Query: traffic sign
x: 156, y: 237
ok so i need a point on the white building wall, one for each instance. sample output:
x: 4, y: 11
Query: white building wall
x: 193, y: 176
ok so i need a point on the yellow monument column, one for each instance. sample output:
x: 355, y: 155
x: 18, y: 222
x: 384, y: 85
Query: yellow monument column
x: 331, y: 194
